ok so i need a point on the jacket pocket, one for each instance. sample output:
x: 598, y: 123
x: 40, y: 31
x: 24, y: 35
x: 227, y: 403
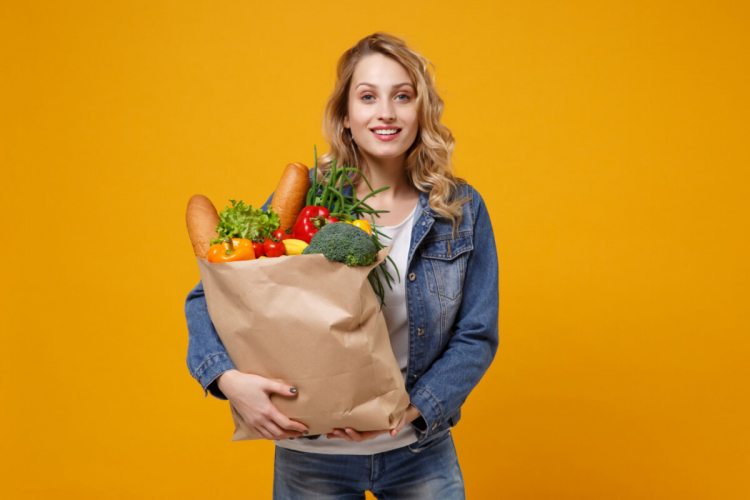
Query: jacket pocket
x: 445, y: 264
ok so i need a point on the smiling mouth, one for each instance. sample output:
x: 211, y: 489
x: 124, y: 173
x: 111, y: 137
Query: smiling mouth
x: 387, y: 131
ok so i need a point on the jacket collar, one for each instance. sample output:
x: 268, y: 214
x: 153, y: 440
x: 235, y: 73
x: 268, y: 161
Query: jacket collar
x: 424, y: 198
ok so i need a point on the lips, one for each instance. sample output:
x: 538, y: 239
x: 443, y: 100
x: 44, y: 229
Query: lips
x: 389, y: 136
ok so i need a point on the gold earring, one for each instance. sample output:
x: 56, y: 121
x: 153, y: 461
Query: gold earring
x: 348, y: 140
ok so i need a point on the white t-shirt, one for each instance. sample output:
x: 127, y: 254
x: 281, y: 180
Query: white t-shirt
x: 397, y: 320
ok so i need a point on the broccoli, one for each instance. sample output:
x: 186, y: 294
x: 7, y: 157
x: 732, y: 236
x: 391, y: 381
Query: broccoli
x: 345, y: 243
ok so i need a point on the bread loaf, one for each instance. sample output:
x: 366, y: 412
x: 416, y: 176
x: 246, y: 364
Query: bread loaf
x: 202, y: 219
x: 289, y: 197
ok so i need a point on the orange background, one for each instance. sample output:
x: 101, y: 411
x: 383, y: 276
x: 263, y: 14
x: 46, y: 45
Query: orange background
x: 607, y: 141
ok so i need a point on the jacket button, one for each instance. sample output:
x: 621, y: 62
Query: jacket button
x: 434, y: 426
x: 415, y: 376
x: 420, y: 331
x: 412, y: 276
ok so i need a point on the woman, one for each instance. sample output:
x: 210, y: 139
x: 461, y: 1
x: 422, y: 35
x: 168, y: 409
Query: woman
x: 384, y: 117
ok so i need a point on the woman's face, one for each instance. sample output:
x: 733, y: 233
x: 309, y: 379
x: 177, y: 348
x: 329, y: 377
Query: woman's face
x: 382, y: 111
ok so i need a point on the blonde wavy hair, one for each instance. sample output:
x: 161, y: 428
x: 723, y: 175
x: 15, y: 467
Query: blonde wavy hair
x: 428, y: 160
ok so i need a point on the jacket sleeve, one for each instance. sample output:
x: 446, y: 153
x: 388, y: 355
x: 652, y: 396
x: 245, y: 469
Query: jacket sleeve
x: 443, y: 388
x: 206, y: 357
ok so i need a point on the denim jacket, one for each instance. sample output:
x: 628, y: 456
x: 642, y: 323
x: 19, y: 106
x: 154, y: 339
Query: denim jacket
x: 452, y: 301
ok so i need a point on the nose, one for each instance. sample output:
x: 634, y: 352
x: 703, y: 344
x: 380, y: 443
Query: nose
x: 387, y: 111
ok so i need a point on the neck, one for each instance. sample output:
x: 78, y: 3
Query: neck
x: 382, y: 172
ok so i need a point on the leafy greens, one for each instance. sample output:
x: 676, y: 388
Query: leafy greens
x: 242, y: 221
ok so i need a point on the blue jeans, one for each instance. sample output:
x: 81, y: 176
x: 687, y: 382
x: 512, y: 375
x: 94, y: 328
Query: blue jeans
x: 421, y: 471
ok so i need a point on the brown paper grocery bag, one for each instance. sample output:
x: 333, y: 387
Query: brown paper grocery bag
x: 313, y: 324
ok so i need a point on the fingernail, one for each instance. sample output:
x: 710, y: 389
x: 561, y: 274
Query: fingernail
x: 293, y: 390
x: 348, y: 432
x: 305, y: 433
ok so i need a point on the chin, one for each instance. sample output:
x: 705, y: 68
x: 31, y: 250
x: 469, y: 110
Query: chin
x: 385, y: 150
x: 385, y: 155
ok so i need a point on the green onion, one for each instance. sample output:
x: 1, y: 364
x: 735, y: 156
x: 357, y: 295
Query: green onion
x: 348, y: 207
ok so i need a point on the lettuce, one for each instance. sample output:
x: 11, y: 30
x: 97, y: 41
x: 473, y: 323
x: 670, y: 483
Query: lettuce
x: 242, y: 221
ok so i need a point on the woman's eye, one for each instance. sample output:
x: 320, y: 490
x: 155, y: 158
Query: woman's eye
x: 405, y: 97
x: 365, y: 97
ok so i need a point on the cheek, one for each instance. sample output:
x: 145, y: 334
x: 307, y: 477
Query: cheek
x: 412, y: 118
x: 415, y: 123
x: 357, y: 114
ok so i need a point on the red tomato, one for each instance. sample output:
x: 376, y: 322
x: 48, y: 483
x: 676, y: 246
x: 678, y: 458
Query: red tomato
x: 274, y: 247
x: 259, y: 248
x: 281, y: 235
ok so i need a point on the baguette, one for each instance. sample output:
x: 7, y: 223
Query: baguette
x: 289, y: 197
x: 202, y: 219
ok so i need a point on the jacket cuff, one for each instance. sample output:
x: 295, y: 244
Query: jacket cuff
x: 209, y: 372
x: 419, y: 423
x: 428, y: 407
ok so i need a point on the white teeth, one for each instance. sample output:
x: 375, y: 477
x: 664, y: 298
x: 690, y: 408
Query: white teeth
x: 389, y: 131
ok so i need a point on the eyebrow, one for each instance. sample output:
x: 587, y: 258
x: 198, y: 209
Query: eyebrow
x: 395, y: 86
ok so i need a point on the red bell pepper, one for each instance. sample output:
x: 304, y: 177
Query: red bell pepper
x: 309, y: 222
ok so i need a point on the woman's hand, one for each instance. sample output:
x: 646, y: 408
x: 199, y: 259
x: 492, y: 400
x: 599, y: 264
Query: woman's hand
x: 350, y: 434
x: 251, y: 397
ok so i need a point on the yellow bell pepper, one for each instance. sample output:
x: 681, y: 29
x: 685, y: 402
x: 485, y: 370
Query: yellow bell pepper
x: 362, y: 224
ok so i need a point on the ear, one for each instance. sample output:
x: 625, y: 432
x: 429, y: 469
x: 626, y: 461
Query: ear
x: 346, y: 122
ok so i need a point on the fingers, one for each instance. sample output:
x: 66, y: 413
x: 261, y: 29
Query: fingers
x: 272, y: 431
x: 279, y: 388
x: 286, y: 423
x: 339, y: 434
x: 262, y: 432
x: 273, y: 424
x: 254, y: 405
x: 277, y: 432
x: 353, y: 436
x: 400, y: 425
